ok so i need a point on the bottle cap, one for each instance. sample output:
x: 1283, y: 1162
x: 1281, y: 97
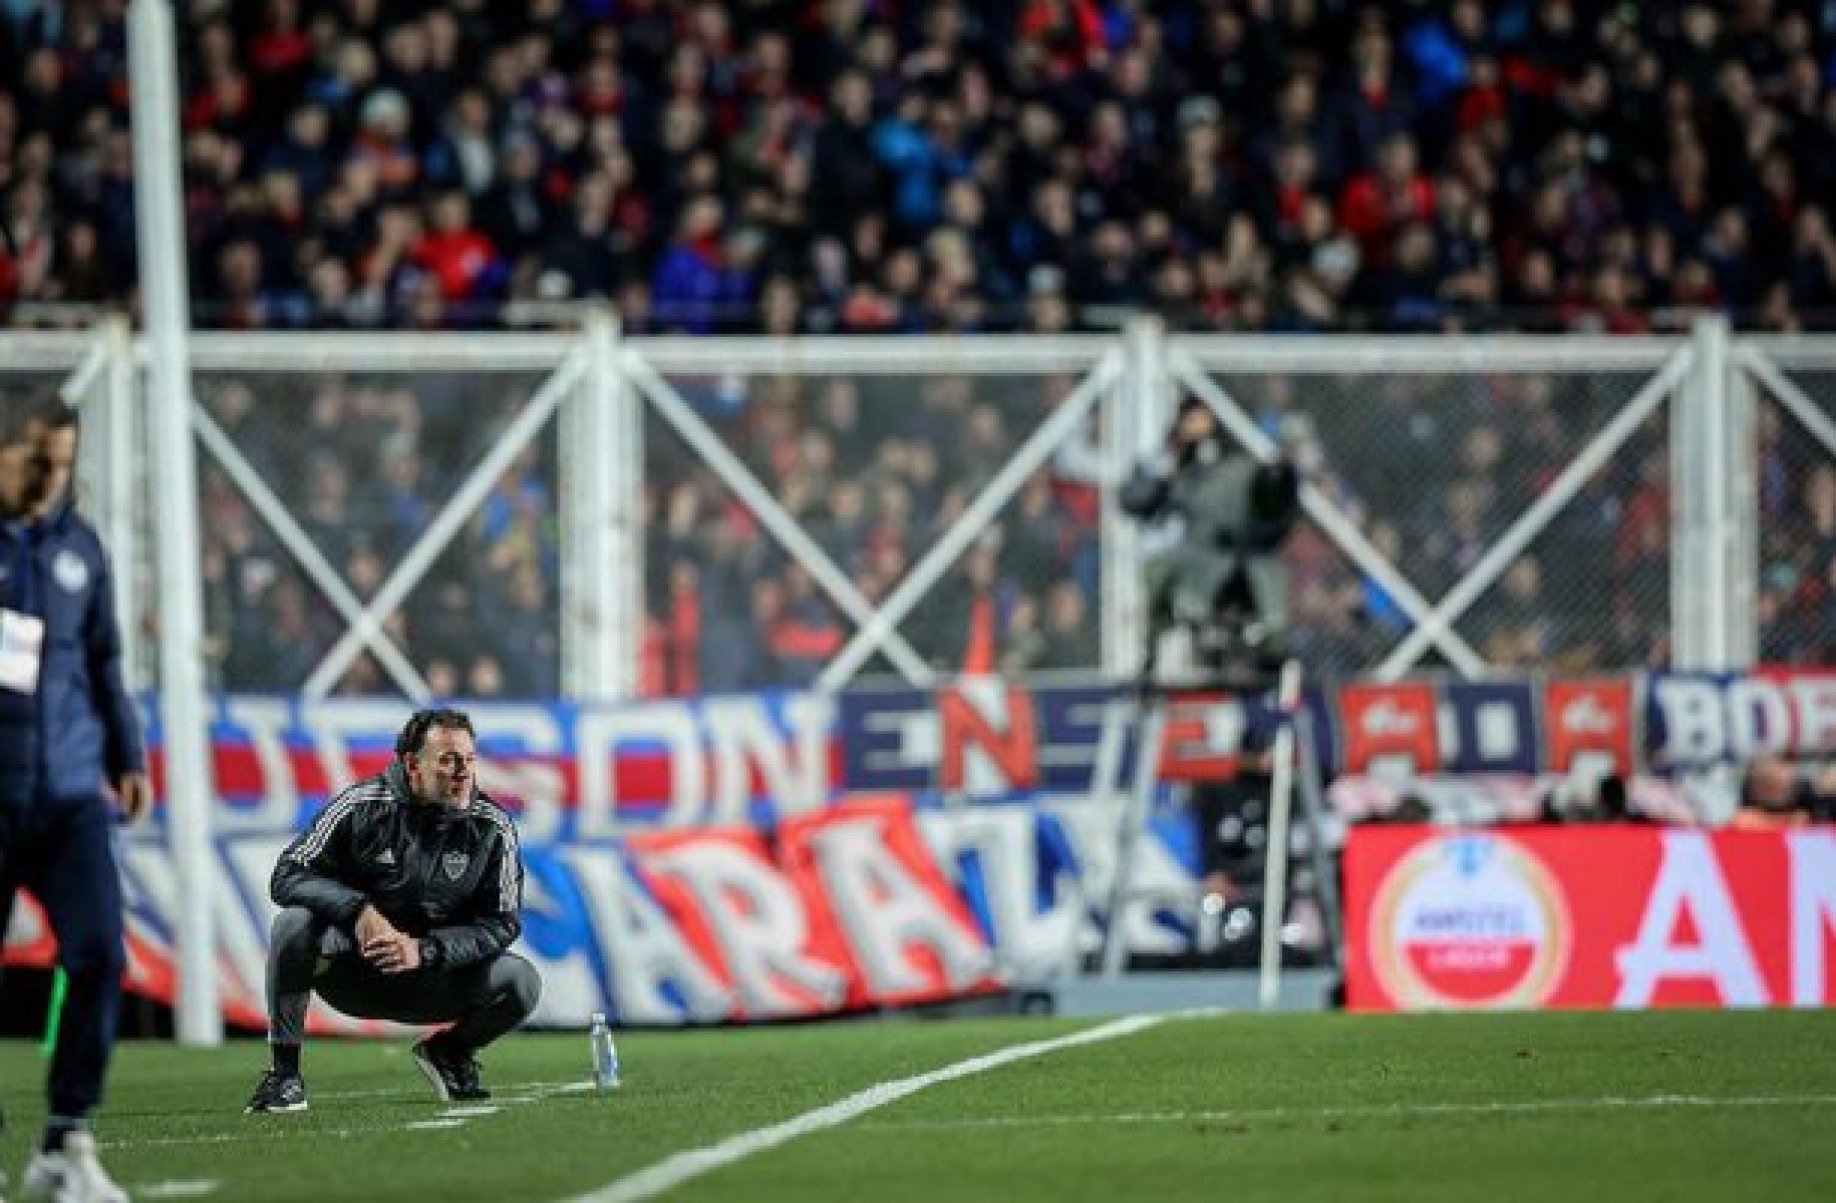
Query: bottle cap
x: 599, y: 1017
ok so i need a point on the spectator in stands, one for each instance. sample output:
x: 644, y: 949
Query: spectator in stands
x: 693, y: 288
x: 529, y: 642
x: 1778, y: 794
x: 485, y: 678
x: 1047, y: 166
x: 1070, y: 635
x: 460, y: 258
x: 804, y: 633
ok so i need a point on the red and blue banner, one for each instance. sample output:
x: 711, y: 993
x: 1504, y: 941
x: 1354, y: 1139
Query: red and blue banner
x: 756, y: 758
x: 782, y: 854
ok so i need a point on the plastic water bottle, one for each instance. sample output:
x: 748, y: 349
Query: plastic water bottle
x: 605, y: 1054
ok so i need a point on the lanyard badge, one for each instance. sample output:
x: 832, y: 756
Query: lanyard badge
x: 22, y: 645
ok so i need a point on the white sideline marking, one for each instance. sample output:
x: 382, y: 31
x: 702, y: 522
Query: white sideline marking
x: 280, y: 1129
x: 253, y: 1136
x: 535, y: 1088
x: 672, y: 1172
x: 1374, y: 1111
x: 184, y: 1189
x: 423, y: 1125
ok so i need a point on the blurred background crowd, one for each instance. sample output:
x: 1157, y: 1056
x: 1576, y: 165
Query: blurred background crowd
x: 853, y: 165
x: 863, y: 166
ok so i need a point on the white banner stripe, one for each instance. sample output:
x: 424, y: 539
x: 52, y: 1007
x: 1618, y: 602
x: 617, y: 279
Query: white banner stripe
x: 672, y: 1172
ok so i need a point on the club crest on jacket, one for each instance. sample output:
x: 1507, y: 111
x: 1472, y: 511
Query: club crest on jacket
x: 71, y: 573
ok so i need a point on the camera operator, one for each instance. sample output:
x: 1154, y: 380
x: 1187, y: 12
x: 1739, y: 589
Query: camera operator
x: 1224, y: 578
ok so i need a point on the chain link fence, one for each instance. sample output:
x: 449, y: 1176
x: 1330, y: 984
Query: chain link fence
x: 322, y: 464
x: 874, y: 469
x: 1432, y: 469
x: 1795, y: 480
x: 361, y: 464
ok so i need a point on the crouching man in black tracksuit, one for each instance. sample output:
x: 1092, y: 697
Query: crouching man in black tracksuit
x: 400, y: 902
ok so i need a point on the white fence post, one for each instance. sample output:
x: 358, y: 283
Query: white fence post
x: 1134, y: 419
x: 108, y: 474
x: 82, y: 391
x: 1741, y: 452
x: 1711, y: 437
x: 122, y: 506
x: 601, y: 472
x: 191, y: 793
x: 1282, y: 782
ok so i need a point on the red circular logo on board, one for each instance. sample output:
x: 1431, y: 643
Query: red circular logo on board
x: 1469, y: 921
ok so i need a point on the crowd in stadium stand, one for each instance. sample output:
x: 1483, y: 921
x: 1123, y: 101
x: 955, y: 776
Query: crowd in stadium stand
x: 843, y: 166
x: 860, y: 165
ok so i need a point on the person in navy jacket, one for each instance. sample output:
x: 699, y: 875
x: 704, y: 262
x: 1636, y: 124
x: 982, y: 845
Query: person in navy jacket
x: 70, y: 756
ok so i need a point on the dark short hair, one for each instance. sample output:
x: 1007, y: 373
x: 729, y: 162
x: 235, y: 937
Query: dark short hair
x: 54, y: 413
x: 414, y: 735
x: 12, y: 424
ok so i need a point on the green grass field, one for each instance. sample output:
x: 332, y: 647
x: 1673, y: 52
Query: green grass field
x: 1671, y: 1106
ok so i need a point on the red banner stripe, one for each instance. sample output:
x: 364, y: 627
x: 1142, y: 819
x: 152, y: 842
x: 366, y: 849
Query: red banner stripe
x: 645, y: 780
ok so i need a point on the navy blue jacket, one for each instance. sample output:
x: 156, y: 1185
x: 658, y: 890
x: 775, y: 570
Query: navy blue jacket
x: 80, y: 730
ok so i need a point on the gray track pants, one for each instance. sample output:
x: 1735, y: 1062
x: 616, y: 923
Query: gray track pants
x: 481, y: 1001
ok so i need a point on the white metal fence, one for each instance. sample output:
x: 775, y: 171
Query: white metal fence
x: 591, y: 517
x: 595, y: 517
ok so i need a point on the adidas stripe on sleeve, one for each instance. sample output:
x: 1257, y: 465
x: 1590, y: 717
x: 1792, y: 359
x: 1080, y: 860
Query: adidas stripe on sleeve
x: 309, y: 847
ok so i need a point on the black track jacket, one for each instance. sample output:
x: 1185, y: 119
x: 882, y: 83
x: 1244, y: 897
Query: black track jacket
x: 452, y: 877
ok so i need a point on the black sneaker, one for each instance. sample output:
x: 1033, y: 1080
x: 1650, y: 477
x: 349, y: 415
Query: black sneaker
x: 278, y: 1091
x: 454, y: 1075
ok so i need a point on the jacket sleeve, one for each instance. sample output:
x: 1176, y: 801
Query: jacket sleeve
x: 123, y: 748
x: 307, y: 874
x: 496, y: 905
